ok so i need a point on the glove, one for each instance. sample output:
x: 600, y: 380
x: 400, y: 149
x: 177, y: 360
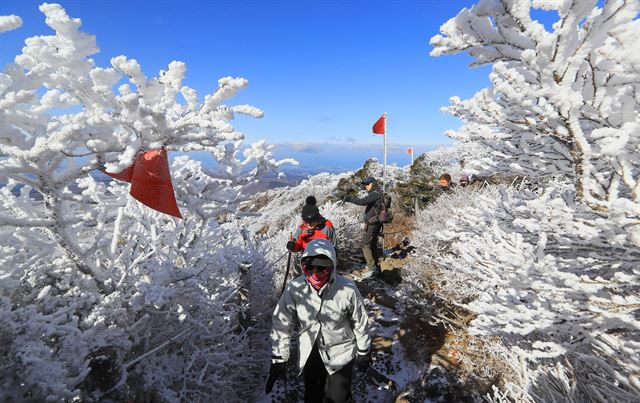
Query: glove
x: 363, y: 362
x: 277, y: 371
x: 291, y: 246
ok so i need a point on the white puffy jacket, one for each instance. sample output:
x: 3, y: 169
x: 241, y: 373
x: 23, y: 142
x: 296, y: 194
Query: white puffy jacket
x: 334, y: 316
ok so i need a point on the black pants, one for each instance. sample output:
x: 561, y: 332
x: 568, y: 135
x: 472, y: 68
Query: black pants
x: 321, y: 387
x: 370, y: 245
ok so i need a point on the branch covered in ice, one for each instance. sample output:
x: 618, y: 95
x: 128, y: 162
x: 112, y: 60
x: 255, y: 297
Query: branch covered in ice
x: 553, y: 268
x: 562, y: 102
x: 90, y: 277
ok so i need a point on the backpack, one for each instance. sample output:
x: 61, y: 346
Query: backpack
x: 385, y: 215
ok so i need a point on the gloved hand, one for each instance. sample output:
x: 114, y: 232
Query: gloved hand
x: 291, y: 245
x: 363, y: 362
x: 277, y: 371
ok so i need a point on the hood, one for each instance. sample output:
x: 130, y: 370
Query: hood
x: 321, y: 247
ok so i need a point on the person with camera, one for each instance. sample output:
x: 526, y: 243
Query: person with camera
x: 334, y: 335
x: 372, y: 225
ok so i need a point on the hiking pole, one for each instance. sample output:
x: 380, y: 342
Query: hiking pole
x: 286, y: 273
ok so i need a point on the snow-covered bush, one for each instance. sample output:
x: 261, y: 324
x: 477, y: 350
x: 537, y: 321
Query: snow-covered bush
x: 99, y: 292
x: 563, y: 102
x: 554, y: 271
x: 539, y: 273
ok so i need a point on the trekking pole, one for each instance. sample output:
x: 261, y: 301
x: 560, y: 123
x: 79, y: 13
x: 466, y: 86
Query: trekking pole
x: 286, y: 273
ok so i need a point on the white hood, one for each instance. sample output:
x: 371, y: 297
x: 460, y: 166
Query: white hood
x: 320, y: 247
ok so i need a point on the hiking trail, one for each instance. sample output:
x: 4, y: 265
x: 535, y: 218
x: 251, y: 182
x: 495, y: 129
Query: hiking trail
x: 404, y: 344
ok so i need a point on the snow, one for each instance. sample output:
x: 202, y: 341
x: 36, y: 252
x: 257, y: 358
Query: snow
x: 549, y: 268
x: 88, y: 270
x: 103, y: 298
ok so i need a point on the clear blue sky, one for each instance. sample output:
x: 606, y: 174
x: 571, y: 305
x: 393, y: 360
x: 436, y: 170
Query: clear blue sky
x: 322, y: 71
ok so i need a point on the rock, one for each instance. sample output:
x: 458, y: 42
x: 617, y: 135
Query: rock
x: 381, y: 343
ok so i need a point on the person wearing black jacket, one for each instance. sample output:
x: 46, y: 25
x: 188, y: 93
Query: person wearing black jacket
x: 372, y: 226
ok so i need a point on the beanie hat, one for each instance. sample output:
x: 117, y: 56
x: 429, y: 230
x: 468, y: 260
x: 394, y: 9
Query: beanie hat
x: 310, y: 211
x: 311, y: 200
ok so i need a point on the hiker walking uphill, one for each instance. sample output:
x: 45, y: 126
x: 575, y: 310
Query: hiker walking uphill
x: 313, y: 226
x: 334, y: 325
x: 372, y: 225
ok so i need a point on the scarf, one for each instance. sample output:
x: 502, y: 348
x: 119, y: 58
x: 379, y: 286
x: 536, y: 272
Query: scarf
x: 317, y: 280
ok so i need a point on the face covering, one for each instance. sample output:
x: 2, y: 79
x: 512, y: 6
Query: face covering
x: 317, y: 279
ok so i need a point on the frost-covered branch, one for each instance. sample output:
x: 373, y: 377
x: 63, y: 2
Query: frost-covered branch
x: 564, y: 102
x: 91, y: 277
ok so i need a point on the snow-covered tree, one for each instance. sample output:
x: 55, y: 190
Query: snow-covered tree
x: 563, y: 102
x: 99, y: 293
x: 538, y: 273
x: 552, y: 269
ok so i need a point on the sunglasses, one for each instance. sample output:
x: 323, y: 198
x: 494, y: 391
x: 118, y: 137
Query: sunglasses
x: 310, y: 267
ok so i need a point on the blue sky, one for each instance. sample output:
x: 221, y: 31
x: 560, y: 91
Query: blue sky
x: 322, y: 71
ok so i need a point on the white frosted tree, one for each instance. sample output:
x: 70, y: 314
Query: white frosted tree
x: 564, y: 102
x: 99, y: 293
x: 552, y: 269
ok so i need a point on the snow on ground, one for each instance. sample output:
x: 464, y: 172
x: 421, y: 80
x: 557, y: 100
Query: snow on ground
x: 548, y: 299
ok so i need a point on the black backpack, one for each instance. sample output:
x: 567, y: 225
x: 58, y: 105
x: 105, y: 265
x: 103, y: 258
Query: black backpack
x: 385, y: 215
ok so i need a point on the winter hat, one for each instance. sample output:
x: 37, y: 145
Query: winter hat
x: 311, y: 200
x: 368, y: 180
x: 310, y: 211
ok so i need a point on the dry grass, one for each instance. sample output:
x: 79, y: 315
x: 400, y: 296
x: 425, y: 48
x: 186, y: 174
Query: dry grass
x: 401, y: 227
x: 435, y: 333
x: 257, y: 202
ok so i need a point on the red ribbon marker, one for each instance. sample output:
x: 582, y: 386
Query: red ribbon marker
x: 151, y: 181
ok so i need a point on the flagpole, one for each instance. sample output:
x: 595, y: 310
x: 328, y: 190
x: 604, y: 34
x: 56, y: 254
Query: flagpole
x: 384, y: 171
x: 415, y: 198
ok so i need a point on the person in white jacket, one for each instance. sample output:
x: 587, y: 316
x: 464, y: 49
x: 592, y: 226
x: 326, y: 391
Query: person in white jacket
x: 334, y: 327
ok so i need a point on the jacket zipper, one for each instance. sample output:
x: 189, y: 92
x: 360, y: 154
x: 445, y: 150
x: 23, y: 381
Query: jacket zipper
x: 322, y: 333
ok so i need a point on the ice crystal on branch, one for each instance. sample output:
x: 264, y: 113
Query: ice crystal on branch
x: 563, y: 102
x: 94, y: 284
x: 552, y: 266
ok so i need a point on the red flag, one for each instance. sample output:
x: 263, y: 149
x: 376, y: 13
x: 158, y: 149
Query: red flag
x: 381, y: 124
x: 124, y: 176
x: 151, y: 181
x: 410, y: 151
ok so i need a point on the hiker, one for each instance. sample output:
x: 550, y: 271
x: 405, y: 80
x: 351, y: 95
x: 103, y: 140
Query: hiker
x: 464, y: 180
x: 444, y: 181
x: 372, y: 226
x: 334, y: 335
x: 313, y: 226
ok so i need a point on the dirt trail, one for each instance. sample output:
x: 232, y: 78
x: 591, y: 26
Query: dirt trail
x: 414, y: 360
x: 402, y: 344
